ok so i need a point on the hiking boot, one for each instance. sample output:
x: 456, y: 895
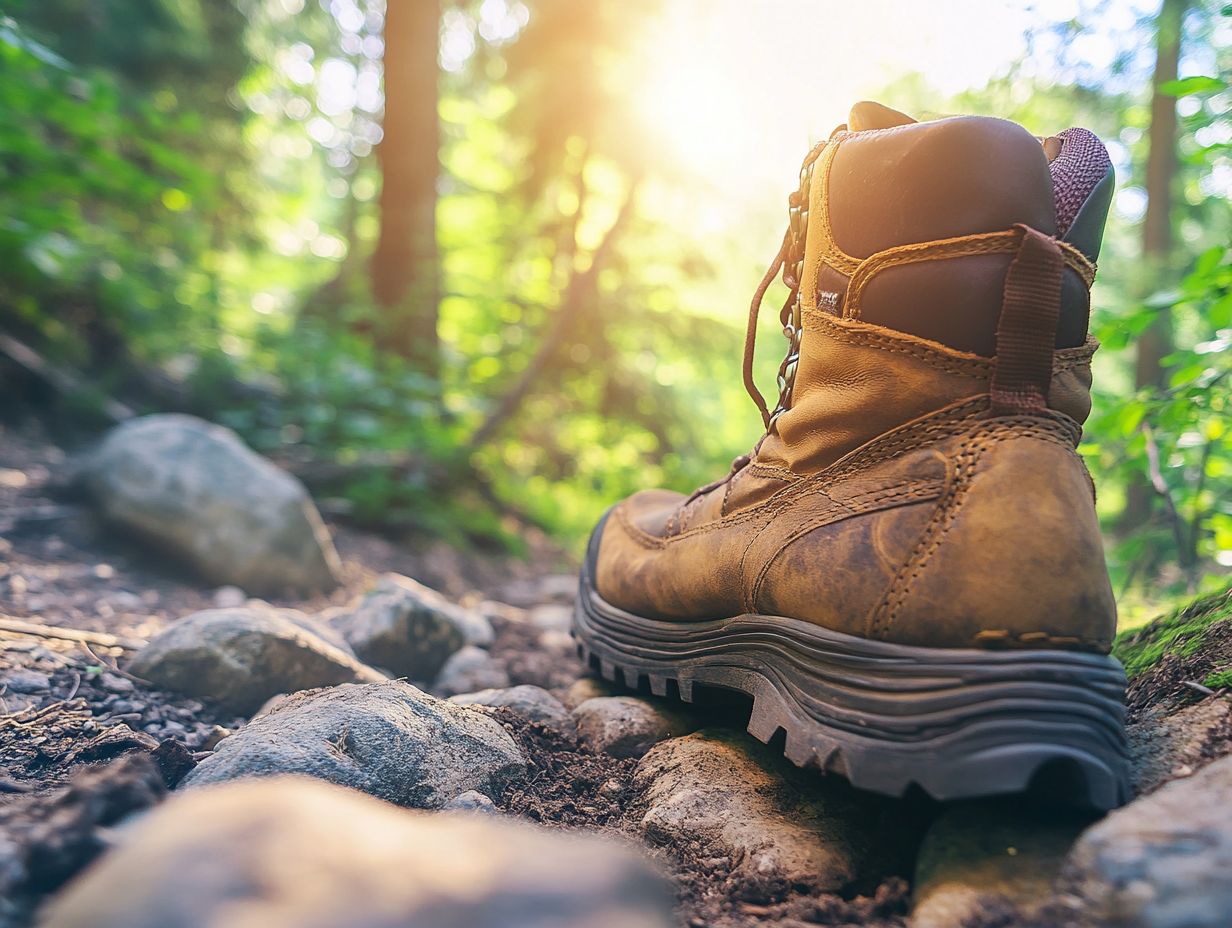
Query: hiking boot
x: 906, y: 573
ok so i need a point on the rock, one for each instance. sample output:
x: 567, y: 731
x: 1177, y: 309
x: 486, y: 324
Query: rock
x: 196, y: 491
x: 587, y: 688
x: 1163, y: 860
x: 239, y: 658
x: 625, y: 726
x: 1165, y: 746
x: 779, y: 827
x: 27, y: 681
x: 476, y: 629
x: 495, y: 611
x: 469, y: 670
x: 559, y: 587
x: 291, y: 853
x: 229, y: 597
x: 388, y: 739
x: 990, y: 856
x: 471, y: 801
x: 552, y: 617
x: 531, y: 702
x: 114, y: 683
x: 404, y: 627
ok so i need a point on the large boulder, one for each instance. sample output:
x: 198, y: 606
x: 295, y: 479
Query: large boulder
x: 406, y: 628
x: 292, y: 853
x: 775, y: 827
x: 1161, y: 861
x: 387, y: 739
x: 239, y: 658
x: 194, y: 490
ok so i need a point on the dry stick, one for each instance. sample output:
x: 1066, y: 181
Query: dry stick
x: 1160, y: 485
x: 62, y: 381
x: 10, y: 623
x: 577, y: 291
x: 112, y: 668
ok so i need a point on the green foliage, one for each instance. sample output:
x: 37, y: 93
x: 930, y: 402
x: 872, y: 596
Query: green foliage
x: 188, y: 187
x: 1180, y: 633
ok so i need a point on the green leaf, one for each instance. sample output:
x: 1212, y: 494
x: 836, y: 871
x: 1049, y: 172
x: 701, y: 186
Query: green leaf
x: 1190, y: 85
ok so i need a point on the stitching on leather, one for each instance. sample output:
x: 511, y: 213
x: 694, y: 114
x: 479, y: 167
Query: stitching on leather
x: 904, y: 493
x: 883, y: 616
x: 931, y: 353
x: 772, y: 470
x: 948, y: 423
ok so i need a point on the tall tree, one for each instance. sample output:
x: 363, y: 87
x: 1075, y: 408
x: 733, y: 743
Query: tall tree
x: 1161, y: 168
x: 405, y: 265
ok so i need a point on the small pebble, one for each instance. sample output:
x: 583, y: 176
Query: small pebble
x: 114, y: 683
x: 470, y: 801
x: 28, y: 681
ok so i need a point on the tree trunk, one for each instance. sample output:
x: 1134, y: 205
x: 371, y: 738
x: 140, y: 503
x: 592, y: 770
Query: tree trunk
x: 1161, y: 167
x: 405, y: 265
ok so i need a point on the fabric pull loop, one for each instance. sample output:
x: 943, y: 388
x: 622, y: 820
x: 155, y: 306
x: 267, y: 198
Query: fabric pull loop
x: 1027, y: 327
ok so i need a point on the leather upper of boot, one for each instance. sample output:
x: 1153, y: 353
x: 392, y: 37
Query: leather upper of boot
x: 885, y: 499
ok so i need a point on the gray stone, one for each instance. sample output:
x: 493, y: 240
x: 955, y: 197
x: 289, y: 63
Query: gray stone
x: 470, y: 670
x: 625, y: 726
x: 27, y: 681
x: 114, y: 683
x: 229, y: 597
x: 239, y: 658
x: 404, y: 627
x: 994, y: 856
x: 194, y: 490
x: 552, y: 617
x: 292, y: 853
x: 531, y: 702
x: 779, y: 827
x: 471, y: 801
x: 387, y: 739
x: 1166, y: 746
x: 1161, y: 861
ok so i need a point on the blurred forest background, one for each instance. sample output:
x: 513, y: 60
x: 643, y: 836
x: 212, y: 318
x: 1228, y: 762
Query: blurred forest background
x: 468, y: 266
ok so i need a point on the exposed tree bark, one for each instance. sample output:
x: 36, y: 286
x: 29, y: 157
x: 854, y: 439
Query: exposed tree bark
x: 581, y: 287
x: 405, y: 265
x: 1156, y: 342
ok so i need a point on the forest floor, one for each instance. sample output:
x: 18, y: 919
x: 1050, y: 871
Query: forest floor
x: 68, y: 709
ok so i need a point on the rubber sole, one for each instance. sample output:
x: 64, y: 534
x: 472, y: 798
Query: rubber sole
x: 957, y: 723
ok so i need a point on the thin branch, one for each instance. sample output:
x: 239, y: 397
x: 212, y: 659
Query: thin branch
x: 578, y: 290
x: 10, y: 623
x: 1179, y: 531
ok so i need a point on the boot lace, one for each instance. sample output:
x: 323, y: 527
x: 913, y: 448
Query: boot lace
x: 790, y: 260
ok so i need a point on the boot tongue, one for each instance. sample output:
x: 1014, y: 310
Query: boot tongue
x: 869, y: 115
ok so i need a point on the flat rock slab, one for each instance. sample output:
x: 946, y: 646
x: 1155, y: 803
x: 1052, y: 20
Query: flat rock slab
x: 982, y: 860
x: 626, y: 726
x: 195, y: 491
x: 774, y: 826
x: 293, y: 853
x: 531, y: 702
x: 404, y: 627
x: 1162, y: 861
x: 239, y: 658
x: 387, y: 739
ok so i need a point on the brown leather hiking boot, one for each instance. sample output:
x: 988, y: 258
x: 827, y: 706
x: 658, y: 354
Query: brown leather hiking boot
x: 906, y: 574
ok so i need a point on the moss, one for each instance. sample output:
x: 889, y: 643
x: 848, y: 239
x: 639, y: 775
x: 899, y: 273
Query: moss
x: 1219, y: 680
x: 1180, y: 633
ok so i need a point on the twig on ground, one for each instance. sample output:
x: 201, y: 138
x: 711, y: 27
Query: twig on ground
x: 10, y: 623
x: 110, y: 667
